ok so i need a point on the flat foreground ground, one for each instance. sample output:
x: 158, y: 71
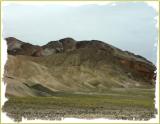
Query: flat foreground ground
x: 127, y: 104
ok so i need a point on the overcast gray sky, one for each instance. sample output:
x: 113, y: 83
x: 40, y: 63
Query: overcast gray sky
x: 128, y: 26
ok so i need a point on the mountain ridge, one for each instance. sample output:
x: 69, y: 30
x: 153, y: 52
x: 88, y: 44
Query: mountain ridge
x: 73, y: 66
x: 11, y: 39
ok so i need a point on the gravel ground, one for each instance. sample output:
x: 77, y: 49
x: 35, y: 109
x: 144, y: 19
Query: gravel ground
x: 56, y: 112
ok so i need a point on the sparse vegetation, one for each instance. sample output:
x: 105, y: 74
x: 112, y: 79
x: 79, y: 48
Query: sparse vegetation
x: 117, y: 104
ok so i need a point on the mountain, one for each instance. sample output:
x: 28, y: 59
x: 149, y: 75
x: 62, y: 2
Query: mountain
x: 74, y: 66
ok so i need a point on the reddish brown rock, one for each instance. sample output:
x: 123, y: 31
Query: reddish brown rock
x: 144, y: 69
x: 17, y: 47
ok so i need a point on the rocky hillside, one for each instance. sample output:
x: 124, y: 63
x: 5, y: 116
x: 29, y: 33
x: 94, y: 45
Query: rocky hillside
x: 67, y: 65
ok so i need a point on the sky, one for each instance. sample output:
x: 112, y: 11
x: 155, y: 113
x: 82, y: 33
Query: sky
x: 127, y: 25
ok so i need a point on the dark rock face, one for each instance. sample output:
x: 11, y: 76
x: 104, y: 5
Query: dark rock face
x: 136, y: 65
x: 69, y: 44
x: 54, y: 45
x: 17, y: 47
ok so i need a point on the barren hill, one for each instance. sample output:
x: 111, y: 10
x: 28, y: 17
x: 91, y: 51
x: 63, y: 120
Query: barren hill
x: 67, y: 65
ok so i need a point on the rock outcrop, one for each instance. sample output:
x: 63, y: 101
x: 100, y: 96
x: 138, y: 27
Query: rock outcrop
x: 17, y: 47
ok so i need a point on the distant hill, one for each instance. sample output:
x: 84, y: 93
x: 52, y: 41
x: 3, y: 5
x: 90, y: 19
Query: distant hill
x: 73, y: 66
